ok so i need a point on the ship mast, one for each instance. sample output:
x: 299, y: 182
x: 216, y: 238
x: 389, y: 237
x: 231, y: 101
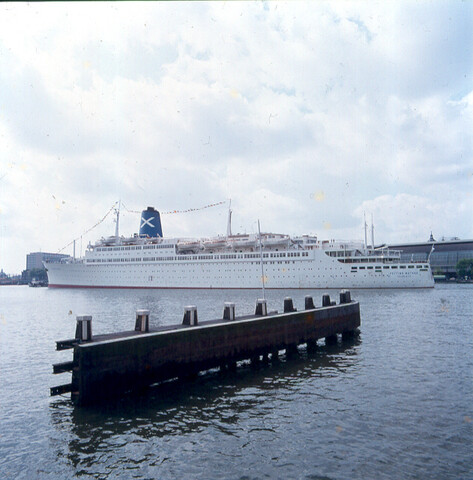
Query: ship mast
x: 229, y: 223
x: 372, y: 232
x: 365, y: 227
x: 117, y: 226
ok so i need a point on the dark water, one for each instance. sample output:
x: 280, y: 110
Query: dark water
x: 396, y: 403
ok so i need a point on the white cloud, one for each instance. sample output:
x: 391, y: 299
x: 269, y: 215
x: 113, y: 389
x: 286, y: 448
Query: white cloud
x: 404, y: 217
x: 304, y: 113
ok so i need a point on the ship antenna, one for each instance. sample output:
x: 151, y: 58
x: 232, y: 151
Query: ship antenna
x: 430, y: 254
x: 261, y: 259
x: 117, y: 226
x: 229, y: 224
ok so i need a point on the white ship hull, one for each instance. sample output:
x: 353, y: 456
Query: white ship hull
x: 312, y: 269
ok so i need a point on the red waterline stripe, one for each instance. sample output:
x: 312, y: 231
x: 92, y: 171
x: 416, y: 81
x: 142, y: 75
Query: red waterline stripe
x: 237, y: 288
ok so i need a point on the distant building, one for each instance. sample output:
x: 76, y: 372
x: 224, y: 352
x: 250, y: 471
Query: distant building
x: 444, y: 254
x: 35, y: 260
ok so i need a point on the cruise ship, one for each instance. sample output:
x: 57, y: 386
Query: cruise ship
x: 242, y: 261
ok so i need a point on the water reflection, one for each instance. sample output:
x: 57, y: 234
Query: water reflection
x: 216, y: 400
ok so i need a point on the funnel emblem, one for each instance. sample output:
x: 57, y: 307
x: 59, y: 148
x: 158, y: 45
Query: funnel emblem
x: 147, y: 221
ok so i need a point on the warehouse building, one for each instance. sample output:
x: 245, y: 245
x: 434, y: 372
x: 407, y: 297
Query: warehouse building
x: 443, y: 255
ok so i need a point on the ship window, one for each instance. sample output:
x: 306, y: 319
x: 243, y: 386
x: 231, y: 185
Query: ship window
x: 419, y: 266
x: 411, y: 266
x: 362, y: 268
x: 402, y: 266
x: 386, y: 266
x: 370, y: 268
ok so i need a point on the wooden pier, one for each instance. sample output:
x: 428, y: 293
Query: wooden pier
x: 104, y: 366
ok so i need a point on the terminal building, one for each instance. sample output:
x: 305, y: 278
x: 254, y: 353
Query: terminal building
x: 443, y: 255
x: 35, y: 260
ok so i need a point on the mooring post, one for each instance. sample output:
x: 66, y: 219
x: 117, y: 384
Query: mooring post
x: 345, y: 296
x: 229, y: 311
x: 142, y: 321
x: 190, y: 315
x: 309, y: 303
x: 261, y: 307
x: 326, y: 300
x: 288, y: 305
x: 84, y: 328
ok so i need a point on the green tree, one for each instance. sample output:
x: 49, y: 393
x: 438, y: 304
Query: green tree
x: 34, y: 274
x: 465, y: 268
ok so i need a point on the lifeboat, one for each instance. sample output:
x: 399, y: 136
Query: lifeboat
x: 271, y: 240
x: 189, y: 245
x: 243, y: 241
x: 217, y: 242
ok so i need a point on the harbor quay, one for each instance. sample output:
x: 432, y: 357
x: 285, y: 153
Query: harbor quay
x: 106, y: 366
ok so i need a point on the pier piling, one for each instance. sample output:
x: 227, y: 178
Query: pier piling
x: 345, y: 296
x: 190, y: 316
x: 309, y: 302
x: 288, y: 305
x: 84, y: 328
x: 229, y: 311
x: 261, y: 307
x: 142, y: 321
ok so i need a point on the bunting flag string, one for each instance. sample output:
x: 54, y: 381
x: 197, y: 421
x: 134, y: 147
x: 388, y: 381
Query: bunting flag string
x: 182, y: 211
x: 194, y: 209
x: 91, y: 228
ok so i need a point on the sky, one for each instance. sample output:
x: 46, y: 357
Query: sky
x: 307, y: 115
